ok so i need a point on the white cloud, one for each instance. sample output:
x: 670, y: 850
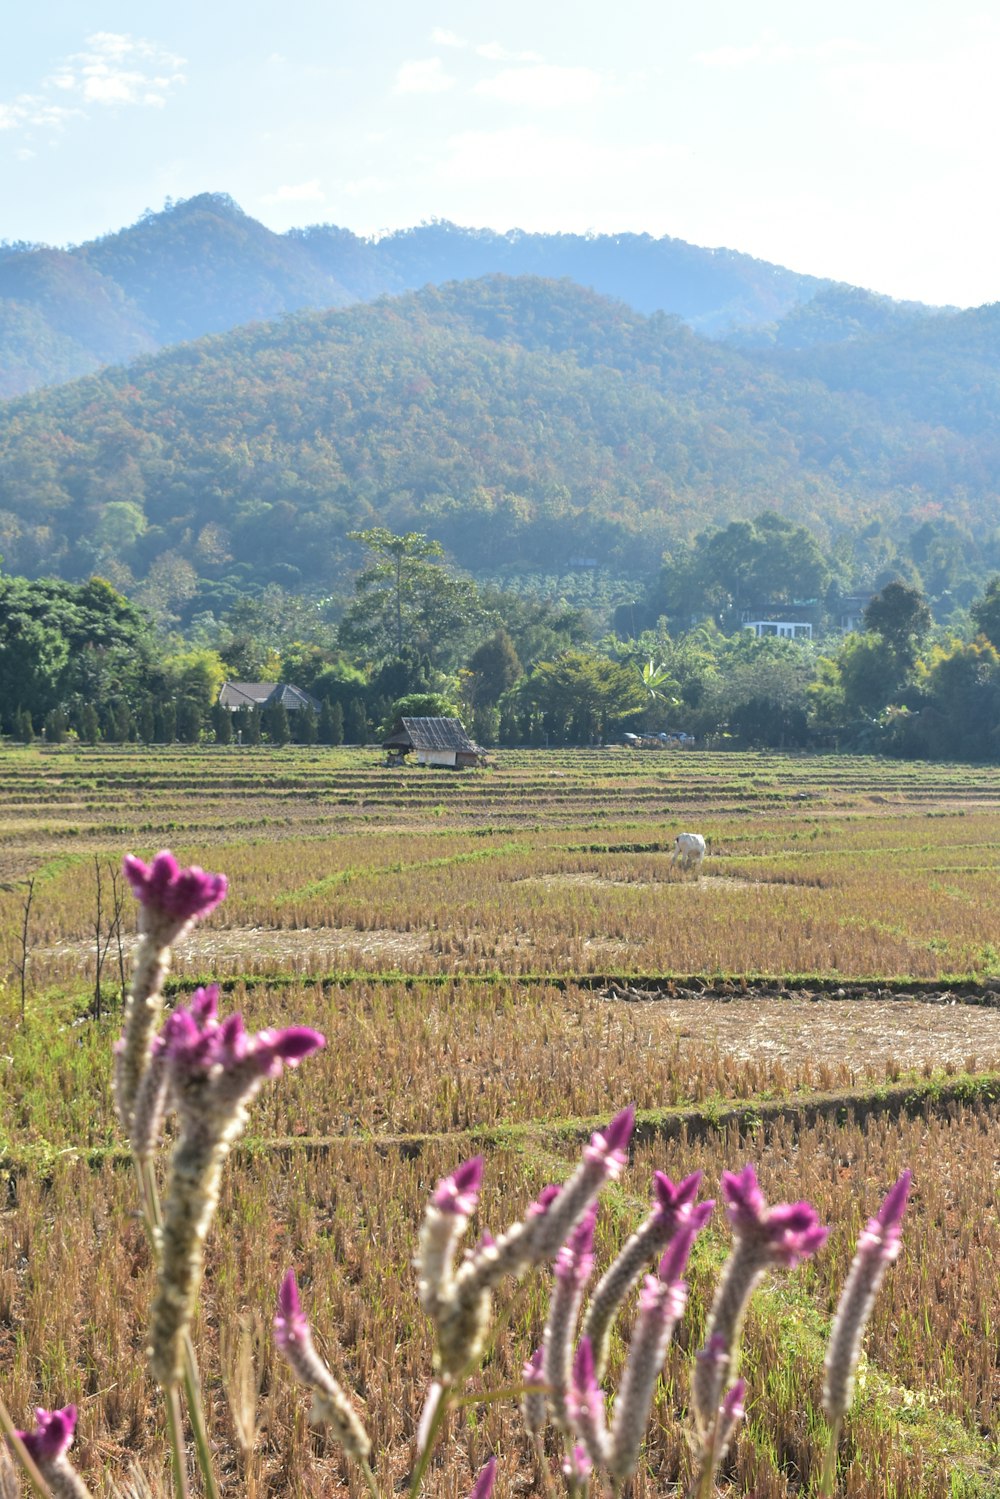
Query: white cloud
x: 442, y: 38
x: 114, y: 69
x: 297, y: 192
x: 542, y: 86
x: 492, y: 51
x: 34, y: 110
x: 426, y: 76
x: 361, y: 187
x: 119, y: 69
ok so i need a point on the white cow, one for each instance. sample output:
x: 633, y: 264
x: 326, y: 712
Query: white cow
x: 689, y: 848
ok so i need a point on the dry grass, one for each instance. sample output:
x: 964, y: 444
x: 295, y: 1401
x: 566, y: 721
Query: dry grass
x: 552, y: 864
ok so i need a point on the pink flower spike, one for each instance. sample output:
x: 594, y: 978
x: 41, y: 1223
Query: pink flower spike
x: 484, y: 1483
x: 181, y: 894
x: 459, y: 1192
x: 543, y: 1201
x: 609, y: 1148
x: 733, y: 1409
x: 890, y: 1214
x: 53, y: 1434
x: 575, y: 1260
x: 290, y: 1323
x: 787, y: 1233
x: 675, y: 1257
x: 745, y: 1202
x: 204, y: 1005
x: 673, y: 1199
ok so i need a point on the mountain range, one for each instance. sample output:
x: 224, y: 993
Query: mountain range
x: 526, y: 423
x: 203, y: 266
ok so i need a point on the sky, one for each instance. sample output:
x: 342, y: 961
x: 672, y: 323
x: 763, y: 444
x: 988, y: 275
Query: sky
x: 855, y: 141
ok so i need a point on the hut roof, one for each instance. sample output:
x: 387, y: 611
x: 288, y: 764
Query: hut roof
x: 430, y: 734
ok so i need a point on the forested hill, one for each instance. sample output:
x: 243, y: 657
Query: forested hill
x: 521, y: 422
x: 203, y: 266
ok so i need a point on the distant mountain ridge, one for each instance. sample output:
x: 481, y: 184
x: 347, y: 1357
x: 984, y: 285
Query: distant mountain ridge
x: 204, y: 266
x: 520, y: 421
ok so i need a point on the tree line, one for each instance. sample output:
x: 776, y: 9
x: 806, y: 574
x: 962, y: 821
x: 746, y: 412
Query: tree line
x: 418, y: 637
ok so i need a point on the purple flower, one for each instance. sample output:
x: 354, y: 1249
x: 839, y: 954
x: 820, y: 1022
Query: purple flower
x: 610, y: 1148
x: 180, y: 894
x: 290, y: 1323
x: 458, y: 1193
x: 484, y: 1483
x: 585, y: 1404
x: 733, y: 1409
x: 878, y: 1245
x: 672, y: 1204
x: 575, y: 1260
x: 195, y: 1043
x: 543, y: 1201
x: 785, y: 1234
x: 52, y: 1436
x: 882, y: 1235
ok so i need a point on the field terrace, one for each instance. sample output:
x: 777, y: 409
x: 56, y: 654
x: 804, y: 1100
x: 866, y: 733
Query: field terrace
x: 499, y: 959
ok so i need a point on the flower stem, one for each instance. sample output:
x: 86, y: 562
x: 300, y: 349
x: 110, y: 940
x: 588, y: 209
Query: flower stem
x: 369, y: 1478
x: 171, y: 1399
x: 828, y: 1482
x: 437, y: 1421
x: 192, y: 1383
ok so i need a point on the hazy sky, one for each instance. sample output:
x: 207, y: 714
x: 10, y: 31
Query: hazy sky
x: 857, y: 141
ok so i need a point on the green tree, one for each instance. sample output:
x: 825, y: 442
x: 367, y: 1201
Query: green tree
x: 581, y: 696
x: 495, y: 668
x: 985, y: 612
x: 188, y: 720
x: 331, y: 724
x: 355, y: 722
x: 222, y: 724
x: 90, y: 728
x: 901, y: 616
x: 275, y: 724
x: 408, y: 599
x: 306, y: 726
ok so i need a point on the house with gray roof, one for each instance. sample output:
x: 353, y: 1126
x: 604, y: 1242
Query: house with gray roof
x: 260, y: 695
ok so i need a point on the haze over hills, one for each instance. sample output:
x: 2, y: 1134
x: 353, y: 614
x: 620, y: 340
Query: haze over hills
x: 520, y: 421
x: 203, y: 266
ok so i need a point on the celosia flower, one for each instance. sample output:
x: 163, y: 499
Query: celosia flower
x: 877, y: 1247
x: 52, y: 1436
x: 170, y: 898
x: 331, y: 1406
x: 765, y: 1237
x: 215, y: 1069
x: 168, y: 891
x: 48, y: 1445
x: 459, y: 1192
x: 483, y: 1487
x: 661, y: 1304
x: 585, y: 1405
x: 731, y: 1414
x: 573, y: 1268
x: 533, y: 1399
x: 673, y: 1207
x: 786, y: 1233
x: 602, y: 1162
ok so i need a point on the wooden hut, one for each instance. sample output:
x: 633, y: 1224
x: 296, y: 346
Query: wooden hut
x: 434, y: 741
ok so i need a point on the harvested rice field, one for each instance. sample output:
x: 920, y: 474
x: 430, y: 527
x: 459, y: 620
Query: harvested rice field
x: 499, y: 960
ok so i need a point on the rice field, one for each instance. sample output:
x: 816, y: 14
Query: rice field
x: 499, y: 960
